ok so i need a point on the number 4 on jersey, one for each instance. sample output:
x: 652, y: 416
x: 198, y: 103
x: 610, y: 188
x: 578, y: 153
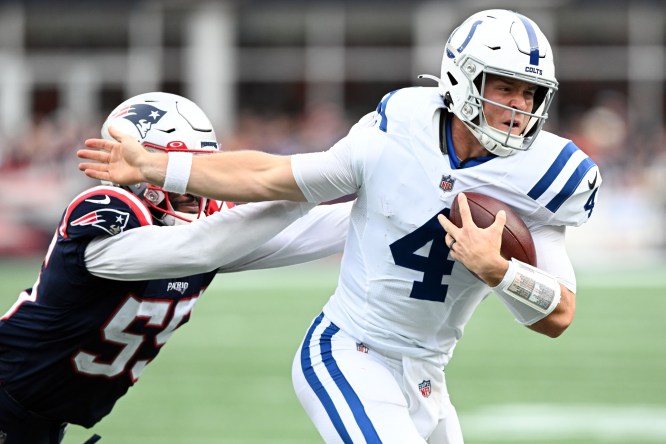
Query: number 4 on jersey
x: 434, y: 266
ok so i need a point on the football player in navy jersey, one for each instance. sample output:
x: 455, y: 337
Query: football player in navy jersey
x: 115, y: 283
x: 371, y: 367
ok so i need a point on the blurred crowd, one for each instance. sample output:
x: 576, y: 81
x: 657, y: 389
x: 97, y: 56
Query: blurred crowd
x: 39, y: 175
x: 628, y: 223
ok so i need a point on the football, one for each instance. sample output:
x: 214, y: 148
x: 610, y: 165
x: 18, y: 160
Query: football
x: 517, y: 240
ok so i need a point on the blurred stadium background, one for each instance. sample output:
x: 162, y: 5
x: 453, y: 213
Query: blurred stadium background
x: 293, y: 76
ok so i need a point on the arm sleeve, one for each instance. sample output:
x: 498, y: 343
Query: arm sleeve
x: 203, y: 245
x: 552, y: 258
x: 320, y: 233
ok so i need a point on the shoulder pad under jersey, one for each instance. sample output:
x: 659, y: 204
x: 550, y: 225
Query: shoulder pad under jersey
x: 103, y: 211
x: 399, y: 109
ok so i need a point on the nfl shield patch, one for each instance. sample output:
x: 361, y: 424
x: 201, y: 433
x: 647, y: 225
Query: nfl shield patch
x: 447, y: 182
x: 361, y: 347
x: 424, y: 388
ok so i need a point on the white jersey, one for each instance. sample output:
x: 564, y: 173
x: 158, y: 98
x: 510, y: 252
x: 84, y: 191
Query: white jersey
x: 245, y: 237
x: 399, y: 290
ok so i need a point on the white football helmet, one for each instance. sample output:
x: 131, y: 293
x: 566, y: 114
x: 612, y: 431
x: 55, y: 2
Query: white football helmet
x: 164, y: 122
x: 502, y: 43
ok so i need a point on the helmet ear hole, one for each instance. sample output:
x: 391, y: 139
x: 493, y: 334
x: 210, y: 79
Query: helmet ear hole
x: 539, y: 97
x: 478, y: 82
x: 452, y: 79
x: 448, y: 101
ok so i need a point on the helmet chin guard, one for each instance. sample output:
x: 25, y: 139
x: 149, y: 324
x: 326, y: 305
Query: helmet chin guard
x: 164, y: 122
x: 501, y: 43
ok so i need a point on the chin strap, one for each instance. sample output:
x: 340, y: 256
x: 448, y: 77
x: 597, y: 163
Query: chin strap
x: 489, y: 143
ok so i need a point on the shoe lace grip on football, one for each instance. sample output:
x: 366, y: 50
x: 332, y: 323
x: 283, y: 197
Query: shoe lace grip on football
x: 530, y: 293
x: 178, y: 170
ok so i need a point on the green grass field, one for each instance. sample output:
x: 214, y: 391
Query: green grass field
x: 225, y: 377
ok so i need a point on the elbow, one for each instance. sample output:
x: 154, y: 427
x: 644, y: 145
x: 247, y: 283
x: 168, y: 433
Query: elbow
x: 554, y: 325
x: 557, y: 328
x: 560, y: 323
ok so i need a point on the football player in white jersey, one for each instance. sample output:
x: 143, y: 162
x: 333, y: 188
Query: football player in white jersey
x: 371, y: 368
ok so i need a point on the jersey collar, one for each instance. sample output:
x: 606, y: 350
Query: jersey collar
x: 450, y: 150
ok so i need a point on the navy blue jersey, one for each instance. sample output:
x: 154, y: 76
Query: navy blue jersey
x: 74, y: 343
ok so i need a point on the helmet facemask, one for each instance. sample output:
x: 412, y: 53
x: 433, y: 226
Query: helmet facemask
x: 501, y: 43
x: 472, y: 114
x: 161, y: 205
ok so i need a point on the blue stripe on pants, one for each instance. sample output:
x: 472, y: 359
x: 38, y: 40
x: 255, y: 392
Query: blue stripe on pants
x: 355, y: 404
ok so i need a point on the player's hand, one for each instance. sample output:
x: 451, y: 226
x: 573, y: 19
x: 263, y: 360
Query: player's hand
x: 478, y: 249
x: 116, y: 161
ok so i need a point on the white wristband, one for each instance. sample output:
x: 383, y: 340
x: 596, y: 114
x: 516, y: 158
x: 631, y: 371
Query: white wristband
x: 177, y: 172
x: 530, y: 286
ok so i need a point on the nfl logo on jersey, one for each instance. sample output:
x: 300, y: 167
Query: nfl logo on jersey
x: 424, y: 387
x: 446, y: 183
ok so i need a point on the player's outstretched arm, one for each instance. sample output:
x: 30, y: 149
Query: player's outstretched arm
x: 244, y: 176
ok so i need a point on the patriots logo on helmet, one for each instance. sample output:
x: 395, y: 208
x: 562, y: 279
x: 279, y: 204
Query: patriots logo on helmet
x: 142, y: 115
x: 425, y: 388
x: 109, y: 220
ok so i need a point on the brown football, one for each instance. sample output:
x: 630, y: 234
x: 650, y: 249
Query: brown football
x: 517, y: 240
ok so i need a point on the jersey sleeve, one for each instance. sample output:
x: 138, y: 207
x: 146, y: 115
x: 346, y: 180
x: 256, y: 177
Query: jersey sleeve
x: 102, y: 211
x: 565, y: 183
x: 578, y: 208
x: 341, y: 170
x: 203, y: 245
x: 320, y: 233
x: 326, y: 175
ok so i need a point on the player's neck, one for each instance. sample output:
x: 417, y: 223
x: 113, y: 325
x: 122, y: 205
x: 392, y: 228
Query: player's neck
x: 466, y: 145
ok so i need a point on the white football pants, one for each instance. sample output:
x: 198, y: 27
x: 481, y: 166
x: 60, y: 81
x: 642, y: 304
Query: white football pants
x: 357, y: 395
